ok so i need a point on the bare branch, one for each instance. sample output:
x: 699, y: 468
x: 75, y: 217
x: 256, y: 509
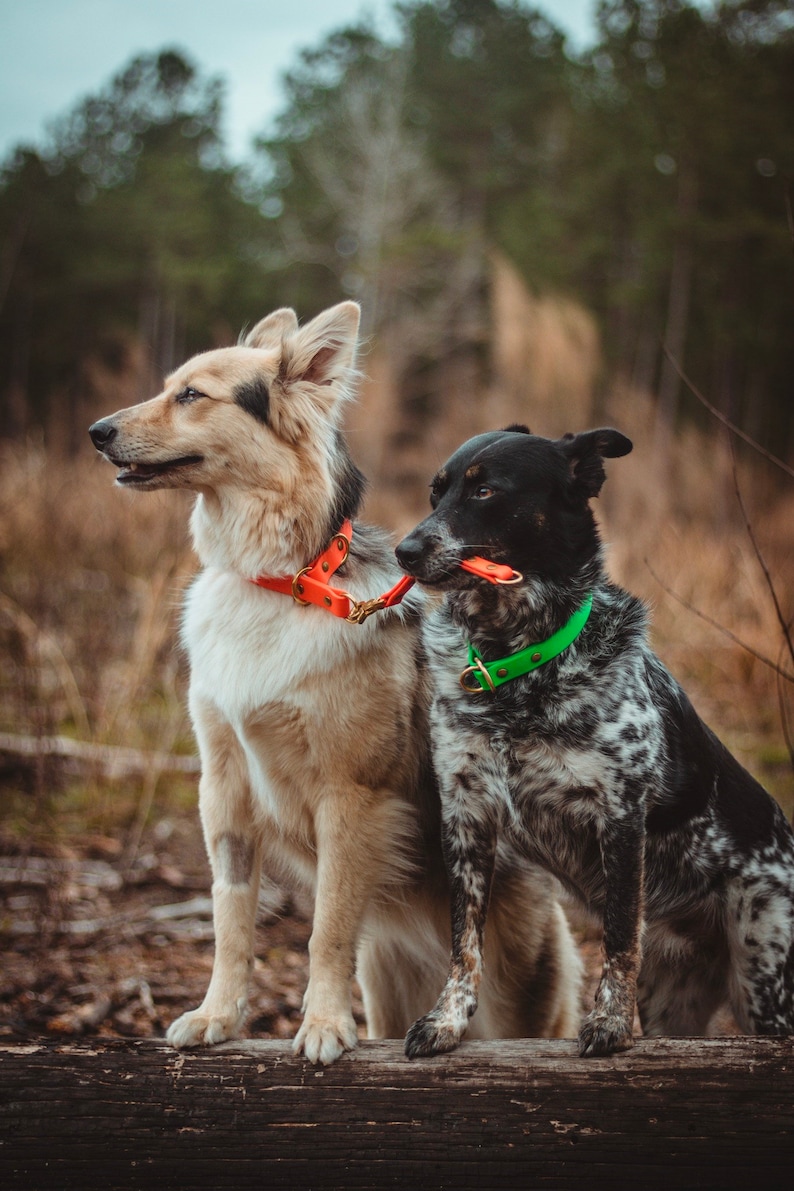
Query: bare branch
x: 784, y: 719
x: 721, y: 628
x: 720, y: 416
x: 784, y: 624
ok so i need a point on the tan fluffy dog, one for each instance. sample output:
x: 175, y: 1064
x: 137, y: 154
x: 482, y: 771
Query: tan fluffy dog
x: 311, y: 729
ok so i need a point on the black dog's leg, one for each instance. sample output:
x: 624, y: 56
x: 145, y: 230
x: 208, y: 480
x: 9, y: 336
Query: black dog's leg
x: 761, y: 939
x: 609, y: 1026
x: 469, y: 843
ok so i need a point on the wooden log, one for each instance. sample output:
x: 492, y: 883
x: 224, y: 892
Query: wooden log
x: 715, y: 1113
x: 82, y: 756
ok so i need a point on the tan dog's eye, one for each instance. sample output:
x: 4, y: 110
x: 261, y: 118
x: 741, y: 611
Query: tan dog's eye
x: 188, y: 395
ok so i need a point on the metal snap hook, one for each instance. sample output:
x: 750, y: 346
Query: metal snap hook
x: 476, y: 668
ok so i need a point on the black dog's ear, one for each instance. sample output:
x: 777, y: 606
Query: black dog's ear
x: 586, y: 453
x: 517, y: 428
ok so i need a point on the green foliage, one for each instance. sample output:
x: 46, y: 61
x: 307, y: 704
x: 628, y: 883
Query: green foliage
x: 128, y: 227
x: 686, y: 148
x: 650, y: 178
x: 488, y: 82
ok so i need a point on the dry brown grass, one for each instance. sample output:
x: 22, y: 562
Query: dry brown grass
x: 89, y: 595
x: 677, y: 537
x: 90, y: 576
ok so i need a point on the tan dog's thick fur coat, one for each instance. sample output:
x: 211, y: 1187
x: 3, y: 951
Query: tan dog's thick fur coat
x: 312, y: 730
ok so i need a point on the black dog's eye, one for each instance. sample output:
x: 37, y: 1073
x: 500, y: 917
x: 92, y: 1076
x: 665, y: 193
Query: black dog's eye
x: 188, y: 395
x: 483, y: 492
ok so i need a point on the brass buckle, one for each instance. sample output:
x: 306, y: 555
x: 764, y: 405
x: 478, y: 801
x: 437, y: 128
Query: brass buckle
x: 361, y: 609
x: 476, y: 668
x: 342, y: 545
x: 517, y: 578
x: 296, y: 587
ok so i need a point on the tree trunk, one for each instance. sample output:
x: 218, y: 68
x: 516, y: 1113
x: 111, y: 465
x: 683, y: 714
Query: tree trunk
x: 677, y: 307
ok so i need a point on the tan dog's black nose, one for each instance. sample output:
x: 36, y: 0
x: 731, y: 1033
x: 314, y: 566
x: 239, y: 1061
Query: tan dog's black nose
x: 102, y: 433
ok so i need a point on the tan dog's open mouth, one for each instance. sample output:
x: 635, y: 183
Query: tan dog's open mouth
x: 143, y: 473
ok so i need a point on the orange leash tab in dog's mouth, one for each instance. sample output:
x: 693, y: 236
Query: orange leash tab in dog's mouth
x: 311, y: 585
x: 494, y: 572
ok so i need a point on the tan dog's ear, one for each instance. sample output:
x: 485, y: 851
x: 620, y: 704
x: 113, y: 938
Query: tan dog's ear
x: 324, y: 350
x: 316, y: 372
x: 271, y: 332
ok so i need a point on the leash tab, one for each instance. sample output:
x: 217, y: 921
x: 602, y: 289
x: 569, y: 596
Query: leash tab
x: 494, y: 572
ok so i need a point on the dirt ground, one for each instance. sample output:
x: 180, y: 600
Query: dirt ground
x: 95, y: 946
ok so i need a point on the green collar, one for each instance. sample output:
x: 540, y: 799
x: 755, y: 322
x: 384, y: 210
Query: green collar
x: 490, y: 675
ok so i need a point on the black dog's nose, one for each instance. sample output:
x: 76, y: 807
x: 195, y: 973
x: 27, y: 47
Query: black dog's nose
x: 409, y: 552
x: 102, y: 433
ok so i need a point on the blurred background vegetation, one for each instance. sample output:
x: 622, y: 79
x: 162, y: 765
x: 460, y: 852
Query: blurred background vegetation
x: 532, y: 235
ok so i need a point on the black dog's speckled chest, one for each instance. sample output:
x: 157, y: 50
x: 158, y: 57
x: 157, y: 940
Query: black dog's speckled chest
x: 589, y: 740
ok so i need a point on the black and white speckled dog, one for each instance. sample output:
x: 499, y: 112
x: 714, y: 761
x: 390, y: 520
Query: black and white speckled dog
x: 560, y: 728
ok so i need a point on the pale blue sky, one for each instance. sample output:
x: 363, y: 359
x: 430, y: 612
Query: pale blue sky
x: 55, y: 52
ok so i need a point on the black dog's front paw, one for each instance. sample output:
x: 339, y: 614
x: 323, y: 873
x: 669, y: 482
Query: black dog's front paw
x: 603, y: 1034
x: 430, y: 1035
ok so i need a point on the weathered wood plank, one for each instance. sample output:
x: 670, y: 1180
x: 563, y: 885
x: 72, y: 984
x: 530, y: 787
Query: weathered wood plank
x: 716, y: 1113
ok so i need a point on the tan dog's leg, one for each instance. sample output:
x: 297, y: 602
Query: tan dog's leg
x: 352, y: 854
x: 235, y: 855
x: 532, y: 986
x: 402, y: 961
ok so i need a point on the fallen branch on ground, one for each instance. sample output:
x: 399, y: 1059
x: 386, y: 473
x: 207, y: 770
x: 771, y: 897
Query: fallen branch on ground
x: 111, y: 761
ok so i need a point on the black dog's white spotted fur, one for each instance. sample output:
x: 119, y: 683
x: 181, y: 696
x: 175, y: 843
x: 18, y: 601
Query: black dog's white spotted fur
x: 595, y: 764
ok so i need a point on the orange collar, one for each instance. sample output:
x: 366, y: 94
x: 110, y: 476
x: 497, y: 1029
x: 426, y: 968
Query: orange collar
x: 311, y: 584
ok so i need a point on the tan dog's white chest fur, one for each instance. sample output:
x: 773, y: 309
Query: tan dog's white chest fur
x: 296, y: 692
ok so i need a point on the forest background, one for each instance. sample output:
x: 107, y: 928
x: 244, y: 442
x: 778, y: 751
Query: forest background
x: 563, y: 239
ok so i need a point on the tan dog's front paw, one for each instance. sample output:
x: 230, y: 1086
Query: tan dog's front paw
x: 199, y: 1028
x: 323, y: 1040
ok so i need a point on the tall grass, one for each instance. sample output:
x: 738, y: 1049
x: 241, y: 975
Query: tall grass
x: 91, y: 580
x: 90, y: 585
